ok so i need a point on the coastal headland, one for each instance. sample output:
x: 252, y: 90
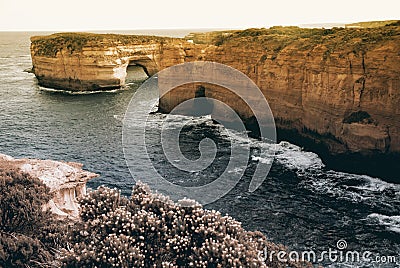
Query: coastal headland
x: 335, y: 91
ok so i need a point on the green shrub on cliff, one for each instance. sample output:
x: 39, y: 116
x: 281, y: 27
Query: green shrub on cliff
x: 149, y: 230
x: 277, y: 38
x: 21, y: 201
x: 372, y: 24
x: 72, y: 42
x: 18, y: 250
x: 27, y: 232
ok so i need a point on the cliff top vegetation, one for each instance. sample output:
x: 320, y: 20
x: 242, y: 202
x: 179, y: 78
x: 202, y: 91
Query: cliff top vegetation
x: 358, y: 37
x: 49, y: 45
x: 278, y: 37
x: 373, y: 24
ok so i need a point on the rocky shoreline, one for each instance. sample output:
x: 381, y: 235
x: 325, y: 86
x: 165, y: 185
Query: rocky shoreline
x: 66, y: 180
x: 338, y: 88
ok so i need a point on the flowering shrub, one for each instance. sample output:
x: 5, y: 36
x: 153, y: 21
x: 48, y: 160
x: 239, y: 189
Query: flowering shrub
x: 149, y: 230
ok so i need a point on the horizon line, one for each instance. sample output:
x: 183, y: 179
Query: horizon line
x: 302, y: 25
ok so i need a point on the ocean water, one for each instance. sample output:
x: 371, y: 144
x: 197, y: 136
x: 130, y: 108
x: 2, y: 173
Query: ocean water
x: 302, y: 204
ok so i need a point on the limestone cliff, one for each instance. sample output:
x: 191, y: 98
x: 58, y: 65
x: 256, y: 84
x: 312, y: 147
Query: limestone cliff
x: 66, y: 180
x: 83, y: 61
x: 316, y: 80
x: 339, y: 87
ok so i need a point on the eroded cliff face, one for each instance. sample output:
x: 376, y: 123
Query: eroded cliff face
x: 66, y: 180
x: 82, y: 61
x: 320, y: 86
x: 339, y: 87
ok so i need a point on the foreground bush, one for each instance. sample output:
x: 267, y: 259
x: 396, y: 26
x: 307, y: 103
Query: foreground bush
x: 21, y: 201
x: 27, y: 232
x: 18, y: 250
x: 149, y: 230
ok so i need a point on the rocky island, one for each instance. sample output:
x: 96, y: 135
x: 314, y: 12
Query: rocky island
x: 338, y: 88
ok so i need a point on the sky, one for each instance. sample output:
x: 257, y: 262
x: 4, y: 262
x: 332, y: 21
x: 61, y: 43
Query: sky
x: 84, y: 15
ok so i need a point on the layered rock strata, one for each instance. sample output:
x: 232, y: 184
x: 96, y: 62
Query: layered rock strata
x: 66, y: 180
x: 338, y: 87
x: 83, y: 61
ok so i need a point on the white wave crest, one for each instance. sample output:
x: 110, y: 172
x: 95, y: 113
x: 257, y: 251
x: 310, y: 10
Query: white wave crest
x: 392, y: 223
x: 69, y: 92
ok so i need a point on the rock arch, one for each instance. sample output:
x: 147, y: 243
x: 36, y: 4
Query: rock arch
x: 148, y: 65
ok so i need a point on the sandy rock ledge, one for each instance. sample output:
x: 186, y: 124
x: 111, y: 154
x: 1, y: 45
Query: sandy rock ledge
x: 66, y: 180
